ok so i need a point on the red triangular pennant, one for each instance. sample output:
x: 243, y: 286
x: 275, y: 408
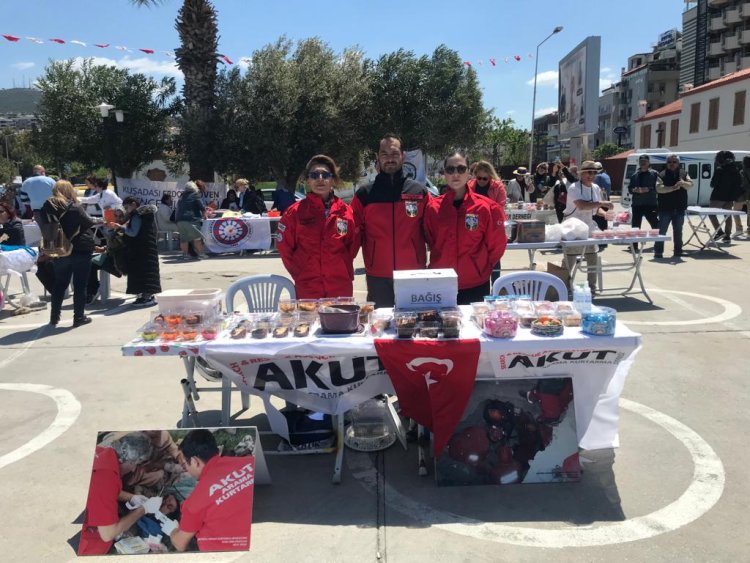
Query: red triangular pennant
x: 492, y: 62
x: 433, y: 380
x: 59, y: 41
x: 12, y: 38
x: 226, y: 59
x: 467, y: 63
x: 517, y: 57
x: 147, y: 51
x: 101, y: 45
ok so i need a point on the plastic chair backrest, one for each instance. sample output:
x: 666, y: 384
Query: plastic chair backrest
x: 534, y: 284
x: 261, y: 292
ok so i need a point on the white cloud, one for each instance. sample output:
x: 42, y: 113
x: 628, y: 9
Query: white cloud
x: 144, y: 65
x: 510, y: 112
x: 605, y: 70
x: 605, y: 83
x: 245, y: 62
x: 23, y: 66
x: 544, y: 111
x: 546, y: 78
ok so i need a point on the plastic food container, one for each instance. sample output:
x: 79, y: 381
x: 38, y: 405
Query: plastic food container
x: 500, y: 324
x: 480, y: 307
x: 205, y: 301
x: 188, y: 333
x: 150, y: 332
x: 429, y: 329
x: 302, y: 329
x: 599, y: 321
x: 307, y: 305
x: 380, y: 322
x: 365, y: 311
x: 209, y: 332
x: 405, y: 322
x: 547, y: 326
x: 451, y: 323
x: 287, y: 305
x: 339, y: 318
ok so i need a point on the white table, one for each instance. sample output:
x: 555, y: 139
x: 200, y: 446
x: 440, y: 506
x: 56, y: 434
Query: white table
x: 531, y: 248
x: 634, y: 265
x: 235, y: 234
x: 703, y: 226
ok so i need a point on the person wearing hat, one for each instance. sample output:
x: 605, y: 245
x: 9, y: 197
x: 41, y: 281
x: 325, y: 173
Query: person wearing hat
x: 643, y: 186
x: 602, y: 179
x: 521, y: 186
x: 583, y: 202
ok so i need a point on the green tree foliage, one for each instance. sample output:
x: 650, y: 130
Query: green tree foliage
x: 434, y: 103
x: 289, y: 106
x: 502, y: 143
x: 71, y: 128
x: 605, y: 151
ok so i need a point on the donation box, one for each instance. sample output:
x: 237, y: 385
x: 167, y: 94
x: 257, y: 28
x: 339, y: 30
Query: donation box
x: 530, y: 231
x: 425, y: 288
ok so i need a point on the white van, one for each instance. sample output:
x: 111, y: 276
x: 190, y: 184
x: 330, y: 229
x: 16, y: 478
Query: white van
x: 699, y: 166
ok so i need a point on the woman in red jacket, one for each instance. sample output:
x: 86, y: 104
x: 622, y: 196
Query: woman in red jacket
x: 317, y: 238
x: 465, y: 231
x: 486, y: 182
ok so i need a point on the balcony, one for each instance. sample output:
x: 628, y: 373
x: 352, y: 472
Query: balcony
x: 745, y: 9
x: 717, y: 24
x: 715, y: 49
x: 732, y: 16
x: 745, y: 62
x: 731, y: 42
x: 744, y: 37
x: 730, y: 67
x: 714, y: 72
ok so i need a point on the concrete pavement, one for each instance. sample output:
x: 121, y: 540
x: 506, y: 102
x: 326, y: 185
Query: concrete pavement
x: 681, y: 428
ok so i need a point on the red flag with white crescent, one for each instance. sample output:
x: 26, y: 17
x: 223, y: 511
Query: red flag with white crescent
x: 433, y: 380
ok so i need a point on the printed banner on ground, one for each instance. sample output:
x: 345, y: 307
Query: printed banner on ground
x: 159, y: 491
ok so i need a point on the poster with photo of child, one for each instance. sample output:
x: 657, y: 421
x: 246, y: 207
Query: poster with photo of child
x: 514, y: 431
x: 159, y: 491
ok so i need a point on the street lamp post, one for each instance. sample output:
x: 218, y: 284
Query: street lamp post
x: 558, y: 29
x: 104, y: 110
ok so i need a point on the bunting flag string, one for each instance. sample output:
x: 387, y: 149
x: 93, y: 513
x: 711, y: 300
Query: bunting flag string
x: 223, y: 58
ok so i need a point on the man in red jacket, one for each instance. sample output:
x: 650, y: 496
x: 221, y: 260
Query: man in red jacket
x: 389, y: 214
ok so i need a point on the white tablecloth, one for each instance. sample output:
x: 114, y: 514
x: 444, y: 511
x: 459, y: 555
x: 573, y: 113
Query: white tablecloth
x: 235, y: 234
x: 333, y: 374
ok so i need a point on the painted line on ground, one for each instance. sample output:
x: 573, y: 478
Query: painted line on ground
x: 704, y: 491
x: 731, y: 310
x: 68, y: 410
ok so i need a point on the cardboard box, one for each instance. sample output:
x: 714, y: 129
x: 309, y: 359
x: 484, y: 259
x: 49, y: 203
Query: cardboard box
x: 422, y: 289
x: 530, y: 231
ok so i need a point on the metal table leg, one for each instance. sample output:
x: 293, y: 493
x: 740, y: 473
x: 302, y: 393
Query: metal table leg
x: 339, y: 424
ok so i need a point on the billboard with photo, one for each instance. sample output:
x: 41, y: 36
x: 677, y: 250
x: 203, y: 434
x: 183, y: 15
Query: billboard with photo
x: 578, y: 91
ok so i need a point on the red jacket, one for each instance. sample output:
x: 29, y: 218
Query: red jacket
x: 389, y: 215
x: 496, y: 191
x: 470, y: 239
x: 318, y: 251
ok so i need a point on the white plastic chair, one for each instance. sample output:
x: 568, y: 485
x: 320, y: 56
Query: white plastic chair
x: 530, y: 283
x: 261, y: 292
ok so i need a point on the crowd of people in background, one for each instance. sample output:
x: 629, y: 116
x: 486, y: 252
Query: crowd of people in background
x: 393, y: 219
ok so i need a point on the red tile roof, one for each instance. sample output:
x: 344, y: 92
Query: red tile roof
x: 669, y: 109
x: 724, y: 80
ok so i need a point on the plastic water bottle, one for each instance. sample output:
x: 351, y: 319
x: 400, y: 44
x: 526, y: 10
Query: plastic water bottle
x: 579, y: 297
x: 586, y: 299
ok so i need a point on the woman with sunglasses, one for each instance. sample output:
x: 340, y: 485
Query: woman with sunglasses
x: 317, y: 238
x: 486, y: 182
x: 465, y: 231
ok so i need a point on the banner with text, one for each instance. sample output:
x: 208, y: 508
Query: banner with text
x: 148, y: 192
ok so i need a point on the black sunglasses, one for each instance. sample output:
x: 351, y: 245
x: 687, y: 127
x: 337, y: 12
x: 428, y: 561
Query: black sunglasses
x: 482, y: 178
x: 673, y: 162
x: 460, y: 169
x: 316, y: 175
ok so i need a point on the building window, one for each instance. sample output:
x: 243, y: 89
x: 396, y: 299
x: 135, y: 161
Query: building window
x: 646, y: 137
x: 713, y: 114
x: 661, y: 134
x: 695, y: 114
x: 674, y: 130
x: 739, y: 108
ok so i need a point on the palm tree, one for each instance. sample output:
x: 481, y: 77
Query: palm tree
x: 197, y: 26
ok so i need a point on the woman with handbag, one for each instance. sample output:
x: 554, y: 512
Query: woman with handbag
x: 67, y: 237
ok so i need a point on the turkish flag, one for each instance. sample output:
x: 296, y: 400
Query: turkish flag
x: 12, y: 38
x: 101, y: 45
x: 433, y: 380
x: 226, y: 59
x: 147, y: 51
x: 59, y: 41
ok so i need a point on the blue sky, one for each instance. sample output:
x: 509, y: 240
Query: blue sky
x: 477, y: 29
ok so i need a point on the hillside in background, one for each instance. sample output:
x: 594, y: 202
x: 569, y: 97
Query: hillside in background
x: 19, y: 100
